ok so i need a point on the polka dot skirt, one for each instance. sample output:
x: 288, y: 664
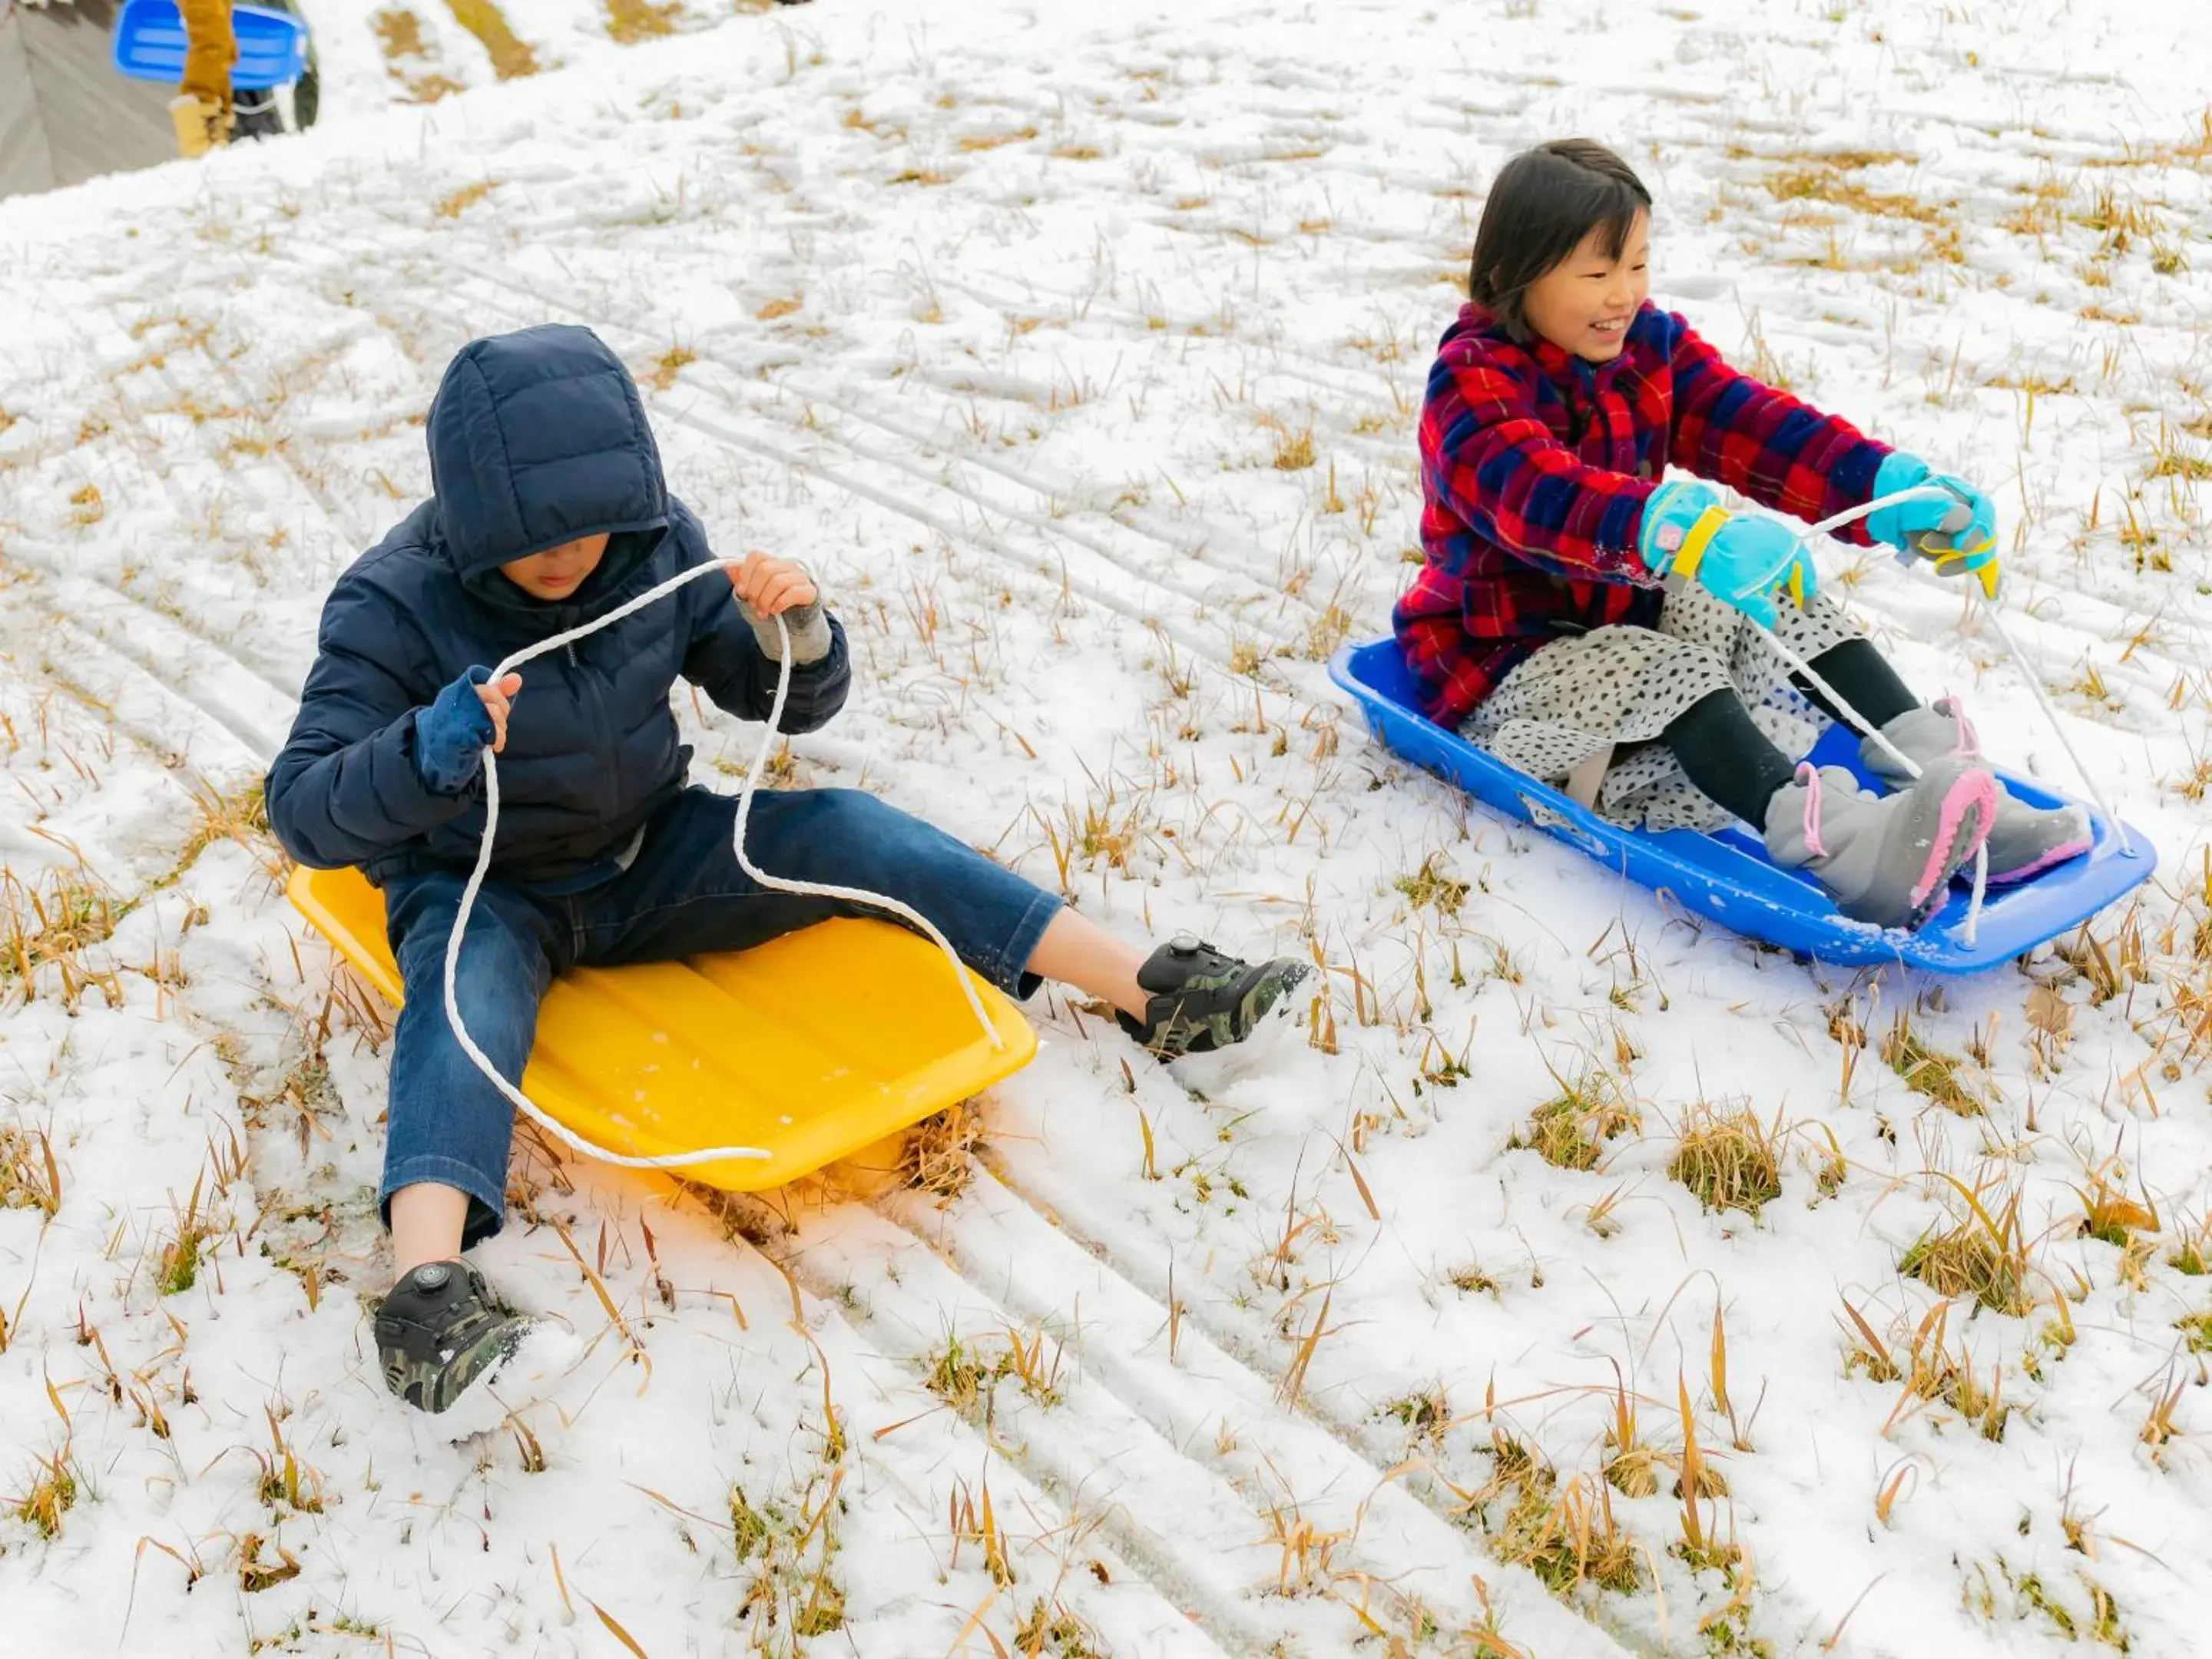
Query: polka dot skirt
x: 1623, y: 685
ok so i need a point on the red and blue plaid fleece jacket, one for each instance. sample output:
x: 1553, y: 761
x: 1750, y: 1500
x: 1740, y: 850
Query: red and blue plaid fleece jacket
x: 1535, y: 465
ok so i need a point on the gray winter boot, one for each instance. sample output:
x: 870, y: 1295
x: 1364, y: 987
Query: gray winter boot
x: 1884, y: 859
x: 2024, y: 840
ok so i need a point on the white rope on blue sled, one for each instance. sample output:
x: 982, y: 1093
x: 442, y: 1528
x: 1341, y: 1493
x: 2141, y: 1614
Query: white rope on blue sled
x: 1973, y: 926
x: 1989, y: 610
x: 522, y: 1102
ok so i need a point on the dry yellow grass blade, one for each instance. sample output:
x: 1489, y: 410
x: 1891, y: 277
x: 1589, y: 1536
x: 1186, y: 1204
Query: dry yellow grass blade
x: 615, y: 1629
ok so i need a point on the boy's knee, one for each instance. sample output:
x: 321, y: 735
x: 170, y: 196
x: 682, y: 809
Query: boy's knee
x: 493, y: 955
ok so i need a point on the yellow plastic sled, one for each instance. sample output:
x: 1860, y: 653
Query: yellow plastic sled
x: 812, y: 1046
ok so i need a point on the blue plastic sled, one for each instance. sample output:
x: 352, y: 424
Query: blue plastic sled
x: 1727, y: 875
x: 149, y: 44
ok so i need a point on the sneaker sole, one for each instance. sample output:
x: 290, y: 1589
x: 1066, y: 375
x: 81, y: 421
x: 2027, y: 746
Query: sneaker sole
x: 2084, y: 839
x: 2056, y: 856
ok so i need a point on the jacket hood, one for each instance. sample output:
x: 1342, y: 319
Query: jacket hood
x: 537, y: 438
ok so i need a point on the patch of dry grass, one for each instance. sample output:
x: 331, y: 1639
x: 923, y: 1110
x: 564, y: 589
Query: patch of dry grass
x: 1050, y: 1630
x: 1571, y: 1129
x: 398, y: 33
x: 2108, y: 1214
x: 629, y: 21
x: 1728, y: 1158
x: 2193, y: 150
x: 966, y: 1375
x: 51, y: 922
x: 30, y: 1176
x: 1432, y: 887
x: 940, y: 1153
x: 240, y: 816
x: 1567, y: 1535
x: 511, y: 56
x: 453, y: 204
x: 668, y: 365
x: 1983, y: 1253
x: 1929, y: 1071
x: 1425, y: 1415
x: 1826, y: 179
x: 974, y: 141
x: 51, y: 1494
x: 1294, y: 451
x: 788, y: 1548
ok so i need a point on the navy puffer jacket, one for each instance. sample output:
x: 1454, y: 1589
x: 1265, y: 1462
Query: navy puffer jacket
x: 535, y: 438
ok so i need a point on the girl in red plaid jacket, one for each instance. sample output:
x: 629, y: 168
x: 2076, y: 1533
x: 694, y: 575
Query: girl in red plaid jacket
x: 1597, y: 626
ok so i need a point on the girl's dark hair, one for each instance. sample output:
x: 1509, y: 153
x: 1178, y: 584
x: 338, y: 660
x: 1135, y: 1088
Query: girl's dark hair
x: 1543, y: 202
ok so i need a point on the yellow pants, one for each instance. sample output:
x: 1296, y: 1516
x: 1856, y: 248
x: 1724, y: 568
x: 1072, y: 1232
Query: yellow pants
x: 211, y: 50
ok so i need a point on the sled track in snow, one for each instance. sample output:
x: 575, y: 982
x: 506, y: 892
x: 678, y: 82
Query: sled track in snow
x: 905, y: 1431
x: 735, y: 395
x: 1090, y: 588
x: 1093, y: 587
x: 1122, y: 1444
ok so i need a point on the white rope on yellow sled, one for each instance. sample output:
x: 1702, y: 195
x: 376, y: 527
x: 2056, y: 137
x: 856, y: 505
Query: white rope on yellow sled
x: 522, y: 1102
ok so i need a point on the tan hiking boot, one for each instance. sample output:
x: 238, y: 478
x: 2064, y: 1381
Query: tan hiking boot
x: 201, y: 122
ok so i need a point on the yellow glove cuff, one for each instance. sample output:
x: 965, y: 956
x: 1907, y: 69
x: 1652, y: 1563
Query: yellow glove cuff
x: 1696, y: 540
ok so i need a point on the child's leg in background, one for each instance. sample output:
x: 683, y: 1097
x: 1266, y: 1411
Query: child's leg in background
x: 447, y: 1128
x: 1825, y: 640
x: 1720, y: 749
x: 685, y: 893
x: 1731, y: 759
x: 1728, y: 757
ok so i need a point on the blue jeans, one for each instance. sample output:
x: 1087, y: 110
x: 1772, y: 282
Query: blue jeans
x: 682, y: 895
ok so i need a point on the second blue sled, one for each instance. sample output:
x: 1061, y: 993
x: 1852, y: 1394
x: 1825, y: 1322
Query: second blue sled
x: 150, y: 45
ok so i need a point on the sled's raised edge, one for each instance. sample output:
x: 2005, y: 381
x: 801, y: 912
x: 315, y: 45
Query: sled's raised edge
x: 1727, y: 876
x: 812, y: 1046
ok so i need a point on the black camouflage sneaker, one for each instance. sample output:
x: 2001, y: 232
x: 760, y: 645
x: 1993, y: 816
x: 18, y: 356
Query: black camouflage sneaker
x: 442, y: 1329
x: 1203, y: 1000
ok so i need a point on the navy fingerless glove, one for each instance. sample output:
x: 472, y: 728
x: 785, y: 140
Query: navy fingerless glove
x: 451, y: 735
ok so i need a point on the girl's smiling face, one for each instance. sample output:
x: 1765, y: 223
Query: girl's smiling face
x: 1584, y: 304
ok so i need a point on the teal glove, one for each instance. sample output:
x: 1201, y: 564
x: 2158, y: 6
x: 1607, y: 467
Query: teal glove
x: 1957, y: 534
x: 1742, y: 559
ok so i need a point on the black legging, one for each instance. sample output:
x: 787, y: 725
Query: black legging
x: 1731, y: 760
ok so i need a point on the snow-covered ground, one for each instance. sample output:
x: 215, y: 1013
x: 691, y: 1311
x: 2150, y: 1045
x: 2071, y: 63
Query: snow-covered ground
x: 1080, y: 349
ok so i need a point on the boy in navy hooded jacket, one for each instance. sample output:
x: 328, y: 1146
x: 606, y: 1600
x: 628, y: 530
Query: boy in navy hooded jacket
x: 550, y: 510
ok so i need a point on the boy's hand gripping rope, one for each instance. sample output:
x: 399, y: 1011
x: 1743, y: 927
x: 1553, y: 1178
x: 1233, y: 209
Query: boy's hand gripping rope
x: 522, y: 1102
